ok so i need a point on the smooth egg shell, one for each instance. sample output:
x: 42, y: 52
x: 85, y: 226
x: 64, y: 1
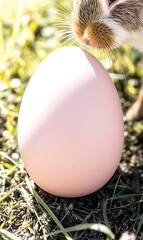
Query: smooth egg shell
x: 70, y: 127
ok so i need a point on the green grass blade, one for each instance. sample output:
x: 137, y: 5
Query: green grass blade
x: 140, y: 224
x: 115, y: 188
x: 44, y: 205
x: 10, y: 159
x: 8, y: 234
x: 7, y: 194
x: 96, y: 227
x: 125, y: 196
x: 1, y: 38
x: 2, y: 225
x: 105, y: 213
x: 17, y: 22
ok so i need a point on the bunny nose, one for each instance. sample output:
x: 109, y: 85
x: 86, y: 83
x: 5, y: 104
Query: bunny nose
x: 86, y: 41
x: 86, y: 37
x: 89, y: 43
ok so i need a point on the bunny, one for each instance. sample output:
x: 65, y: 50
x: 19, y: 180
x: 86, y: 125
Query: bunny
x: 109, y: 24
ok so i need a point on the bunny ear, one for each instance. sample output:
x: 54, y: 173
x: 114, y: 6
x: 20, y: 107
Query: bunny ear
x: 127, y: 22
x: 111, y: 2
x: 128, y: 14
x: 105, y: 5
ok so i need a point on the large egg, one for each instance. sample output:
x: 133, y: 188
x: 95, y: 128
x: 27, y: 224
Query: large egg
x: 70, y: 127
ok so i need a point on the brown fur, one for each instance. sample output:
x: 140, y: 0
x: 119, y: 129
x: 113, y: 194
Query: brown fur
x: 86, y: 22
x: 98, y: 28
x: 129, y: 14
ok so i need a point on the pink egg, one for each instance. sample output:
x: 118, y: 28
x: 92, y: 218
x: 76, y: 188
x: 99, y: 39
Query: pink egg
x: 70, y: 127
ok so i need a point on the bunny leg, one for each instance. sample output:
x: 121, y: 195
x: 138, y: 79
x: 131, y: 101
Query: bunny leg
x: 135, y: 112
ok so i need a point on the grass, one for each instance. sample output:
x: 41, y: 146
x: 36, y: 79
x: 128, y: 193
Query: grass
x: 27, y: 35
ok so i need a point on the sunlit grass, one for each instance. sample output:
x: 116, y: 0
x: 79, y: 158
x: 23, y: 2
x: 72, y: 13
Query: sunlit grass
x: 29, y: 31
